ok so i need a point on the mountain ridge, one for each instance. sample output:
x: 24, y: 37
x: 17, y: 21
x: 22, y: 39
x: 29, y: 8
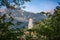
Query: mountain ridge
x: 23, y: 16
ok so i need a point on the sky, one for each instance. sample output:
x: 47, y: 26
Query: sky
x: 41, y: 5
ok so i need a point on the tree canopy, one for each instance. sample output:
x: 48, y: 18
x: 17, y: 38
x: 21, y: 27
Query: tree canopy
x: 12, y: 3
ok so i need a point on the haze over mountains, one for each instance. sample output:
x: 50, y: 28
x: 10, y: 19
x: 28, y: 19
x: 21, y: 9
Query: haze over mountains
x: 23, y: 16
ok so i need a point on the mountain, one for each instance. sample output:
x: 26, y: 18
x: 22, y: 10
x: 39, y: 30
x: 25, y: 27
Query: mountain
x: 23, y: 16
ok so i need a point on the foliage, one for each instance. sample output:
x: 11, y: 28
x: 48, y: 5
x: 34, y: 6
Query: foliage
x: 46, y: 29
x: 12, y: 3
x: 49, y: 28
x: 5, y: 32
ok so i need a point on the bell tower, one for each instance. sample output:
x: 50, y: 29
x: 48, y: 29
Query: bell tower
x: 30, y: 23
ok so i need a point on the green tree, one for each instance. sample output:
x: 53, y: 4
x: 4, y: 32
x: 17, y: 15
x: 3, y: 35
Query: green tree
x: 5, y: 32
x: 49, y: 27
x: 55, y: 23
x: 12, y: 3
